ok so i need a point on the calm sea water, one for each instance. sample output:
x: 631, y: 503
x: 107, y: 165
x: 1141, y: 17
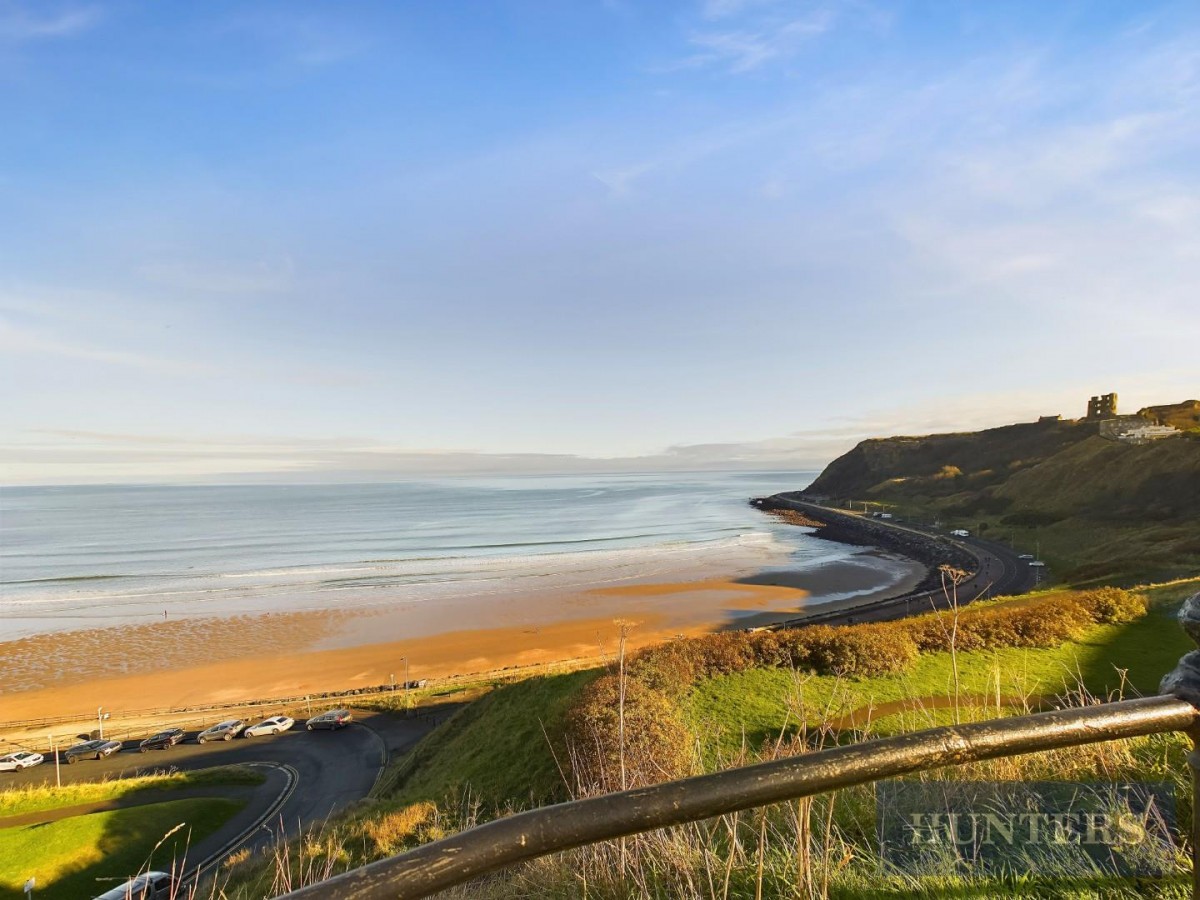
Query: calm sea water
x: 79, y: 556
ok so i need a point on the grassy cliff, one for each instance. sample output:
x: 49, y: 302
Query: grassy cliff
x: 1100, y: 510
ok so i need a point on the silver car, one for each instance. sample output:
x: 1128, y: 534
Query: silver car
x: 222, y: 731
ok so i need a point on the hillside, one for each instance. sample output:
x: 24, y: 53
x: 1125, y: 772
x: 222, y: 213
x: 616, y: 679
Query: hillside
x: 1099, y: 509
x: 941, y: 465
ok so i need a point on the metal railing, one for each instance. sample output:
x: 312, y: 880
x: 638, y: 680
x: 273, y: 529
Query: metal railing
x: 508, y: 841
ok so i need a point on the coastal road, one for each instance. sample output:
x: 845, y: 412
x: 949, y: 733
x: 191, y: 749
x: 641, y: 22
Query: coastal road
x: 1000, y: 573
x: 334, y: 768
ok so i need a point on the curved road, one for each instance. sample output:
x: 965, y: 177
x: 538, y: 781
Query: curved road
x: 334, y: 768
x: 1000, y: 572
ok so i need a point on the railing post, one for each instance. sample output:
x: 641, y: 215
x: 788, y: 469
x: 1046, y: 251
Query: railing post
x: 1184, y: 682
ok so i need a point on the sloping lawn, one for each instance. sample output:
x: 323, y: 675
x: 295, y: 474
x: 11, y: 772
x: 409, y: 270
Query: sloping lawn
x: 760, y: 703
x: 79, y: 857
x: 496, y: 747
x: 37, y: 798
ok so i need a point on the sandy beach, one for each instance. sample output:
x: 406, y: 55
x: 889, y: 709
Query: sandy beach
x: 225, y: 659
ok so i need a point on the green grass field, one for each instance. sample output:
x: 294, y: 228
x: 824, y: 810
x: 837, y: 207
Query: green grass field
x: 763, y: 703
x: 81, y: 856
x: 19, y: 801
x: 497, y: 746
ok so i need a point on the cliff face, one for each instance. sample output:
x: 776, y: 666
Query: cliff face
x: 1052, y: 470
x: 1100, y: 509
x: 942, y: 465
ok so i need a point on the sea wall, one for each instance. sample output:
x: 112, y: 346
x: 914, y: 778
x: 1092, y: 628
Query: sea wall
x: 931, y: 551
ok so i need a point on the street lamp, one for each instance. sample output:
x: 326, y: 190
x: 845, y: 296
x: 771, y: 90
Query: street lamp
x: 404, y: 659
x: 101, y: 715
x: 57, y: 769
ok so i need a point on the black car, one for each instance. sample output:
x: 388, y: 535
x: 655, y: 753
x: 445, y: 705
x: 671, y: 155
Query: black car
x: 164, y: 740
x: 91, y: 750
x: 333, y: 720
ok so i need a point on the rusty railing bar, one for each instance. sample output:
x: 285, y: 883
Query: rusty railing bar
x: 504, y: 842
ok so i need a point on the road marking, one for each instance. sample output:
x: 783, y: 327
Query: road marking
x: 293, y: 778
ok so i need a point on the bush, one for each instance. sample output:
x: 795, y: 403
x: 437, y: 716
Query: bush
x: 1113, y: 606
x: 863, y: 650
x: 657, y: 743
x: 670, y: 668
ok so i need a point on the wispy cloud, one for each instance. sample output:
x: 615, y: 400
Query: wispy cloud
x: 744, y: 49
x: 20, y: 23
x: 16, y: 340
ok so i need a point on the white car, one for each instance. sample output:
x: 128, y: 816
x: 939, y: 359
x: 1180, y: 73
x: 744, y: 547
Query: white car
x: 147, y: 886
x: 273, y: 725
x: 22, y: 759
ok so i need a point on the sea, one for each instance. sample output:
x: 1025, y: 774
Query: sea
x: 89, y: 556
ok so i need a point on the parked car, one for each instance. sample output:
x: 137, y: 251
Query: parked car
x: 222, y: 731
x: 164, y: 740
x: 91, y: 750
x: 333, y: 720
x: 273, y: 725
x: 22, y: 759
x: 147, y: 886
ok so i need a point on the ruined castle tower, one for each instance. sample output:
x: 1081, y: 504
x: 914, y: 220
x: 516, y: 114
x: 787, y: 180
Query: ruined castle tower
x: 1102, y: 407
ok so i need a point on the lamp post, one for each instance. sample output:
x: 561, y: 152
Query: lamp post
x: 404, y: 659
x: 57, y: 764
x: 101, y: 715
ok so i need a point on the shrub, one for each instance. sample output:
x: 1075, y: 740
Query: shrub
x: 863, y: 650
x: 1114, y: 606
x: 657, y: 743
x: 724, y: 653
x: 669, y: 668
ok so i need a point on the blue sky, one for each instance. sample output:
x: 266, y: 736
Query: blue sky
x: 319, y: 240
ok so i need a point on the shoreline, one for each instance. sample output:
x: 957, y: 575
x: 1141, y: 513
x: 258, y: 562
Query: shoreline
x: 214, y: 660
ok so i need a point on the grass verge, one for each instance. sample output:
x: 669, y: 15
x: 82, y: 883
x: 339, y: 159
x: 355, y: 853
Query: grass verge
x: 759, y: 704
x: 82, y: 856
x: 36, y: 798
x: 497, y: 747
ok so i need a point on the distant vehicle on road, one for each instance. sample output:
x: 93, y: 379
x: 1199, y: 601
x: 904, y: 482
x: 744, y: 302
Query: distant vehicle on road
x: 91, y: 750
x: 1025, y: 556
x: 333, y: 720
x: 961, y: 532
x: 22, y: 759
x: 222, y: 731
x: 273, y: 725
x: 147, y: 886
x: 164, y: 740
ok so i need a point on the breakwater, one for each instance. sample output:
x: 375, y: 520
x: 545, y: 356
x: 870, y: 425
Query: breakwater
x: 931, y: 551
